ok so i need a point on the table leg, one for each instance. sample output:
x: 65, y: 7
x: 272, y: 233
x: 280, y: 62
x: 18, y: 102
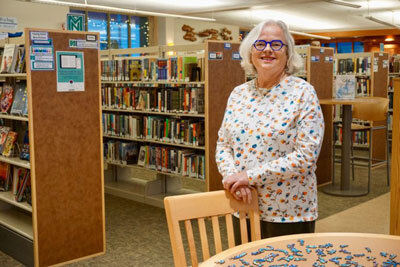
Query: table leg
x: 345, y: 188
x: 346, y: 148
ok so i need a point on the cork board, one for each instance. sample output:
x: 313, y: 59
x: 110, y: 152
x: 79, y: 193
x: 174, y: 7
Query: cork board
x: 66, y: 159
x: 222, y: 75
x: 320, y: 75
x: 380, y: 85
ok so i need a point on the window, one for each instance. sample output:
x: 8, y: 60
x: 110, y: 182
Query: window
x: 345, y: 47
x: 118, y: 31
x: 124, y: 31
x: 139, y: 31
x: 333, y: 45
x: 97, y: 22
x: 358, y: 47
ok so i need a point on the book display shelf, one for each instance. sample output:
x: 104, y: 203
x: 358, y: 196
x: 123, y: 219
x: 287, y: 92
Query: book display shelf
x: 15, y: 211
x: 371, y: 71
x: 65, y: 220
x: 318, y: 71
x: 162, y: 109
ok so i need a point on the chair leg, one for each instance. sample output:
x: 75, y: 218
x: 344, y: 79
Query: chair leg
x: 387, y: 152
x: 369, y: 160
x: 352, y: 159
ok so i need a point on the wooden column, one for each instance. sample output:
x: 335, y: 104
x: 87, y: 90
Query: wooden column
x: 395, y: 163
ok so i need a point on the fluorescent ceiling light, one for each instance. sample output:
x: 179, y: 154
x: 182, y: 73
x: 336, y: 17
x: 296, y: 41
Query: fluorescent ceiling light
x: 311, y: 35
x: 121, y: 10
x: 382, y: 22
x: 342, y: 3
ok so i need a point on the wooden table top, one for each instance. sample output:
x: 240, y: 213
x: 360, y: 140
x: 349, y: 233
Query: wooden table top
x: 357, y: 100
x: 365, y: 249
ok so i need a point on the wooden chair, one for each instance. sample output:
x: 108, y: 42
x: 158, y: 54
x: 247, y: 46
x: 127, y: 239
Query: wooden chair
x: 203, y: 205
x: 371, y: 112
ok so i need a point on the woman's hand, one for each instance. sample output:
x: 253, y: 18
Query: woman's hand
x: 238, y: 185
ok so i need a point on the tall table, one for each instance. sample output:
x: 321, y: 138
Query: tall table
x: 365, y: 249
x: 345, y: 188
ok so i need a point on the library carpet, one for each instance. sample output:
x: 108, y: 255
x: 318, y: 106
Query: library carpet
x: 137, y: 234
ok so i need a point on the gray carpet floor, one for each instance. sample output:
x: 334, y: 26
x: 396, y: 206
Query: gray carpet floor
x: 137, y: 234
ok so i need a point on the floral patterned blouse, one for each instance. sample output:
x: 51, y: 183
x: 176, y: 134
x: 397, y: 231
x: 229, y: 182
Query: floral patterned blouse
x: 275, y: 135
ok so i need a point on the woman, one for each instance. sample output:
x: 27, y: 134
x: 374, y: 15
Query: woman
x: 272, y: 133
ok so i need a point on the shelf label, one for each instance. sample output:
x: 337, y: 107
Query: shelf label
x: 227, y: 45
x: 215, y: 55
x: 70, y: 71
x: 42, y: 57
x: 39, y: 36
x: 236, y: 56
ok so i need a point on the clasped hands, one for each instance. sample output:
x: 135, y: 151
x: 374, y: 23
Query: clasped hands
x: 238, y: 185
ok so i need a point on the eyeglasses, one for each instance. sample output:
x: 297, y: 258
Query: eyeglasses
x: 275, y: 45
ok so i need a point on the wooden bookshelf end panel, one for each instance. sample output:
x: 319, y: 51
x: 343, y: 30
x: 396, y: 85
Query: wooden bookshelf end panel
x: 223, y: 75
x: 321, y: 77
x: 67, y: 167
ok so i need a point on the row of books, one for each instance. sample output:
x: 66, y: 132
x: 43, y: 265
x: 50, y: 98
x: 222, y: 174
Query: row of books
x: 188, y: 99
x: 171, y: 130
x: 181, y: 68
x: 7, y: 141
x: 121, y: 151
x: 359, y: 66
x: 165, y: 159
x: 360, y: 138
x: 16, y: 179
x: 13, y: 59
x: 14, y: 100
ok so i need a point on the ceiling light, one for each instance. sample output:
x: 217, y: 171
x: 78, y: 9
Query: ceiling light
x: 310, y: 35
x: 382, y: 22
x: 342, y: 3
x: 120, y: 10
x: 389, y: 39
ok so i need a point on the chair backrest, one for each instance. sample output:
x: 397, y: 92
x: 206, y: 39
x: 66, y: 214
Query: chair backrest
x: 372, y: 111
x: 204, y: 205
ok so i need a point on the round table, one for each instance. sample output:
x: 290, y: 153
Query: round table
x: 328, y: 249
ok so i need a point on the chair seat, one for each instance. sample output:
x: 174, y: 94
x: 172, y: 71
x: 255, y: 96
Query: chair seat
x: 359, y: 127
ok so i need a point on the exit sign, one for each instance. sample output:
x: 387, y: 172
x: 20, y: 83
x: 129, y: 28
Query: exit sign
x: 75, y: 22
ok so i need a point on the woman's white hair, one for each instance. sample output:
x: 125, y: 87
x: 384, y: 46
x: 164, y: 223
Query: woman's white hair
x: 294, y: 61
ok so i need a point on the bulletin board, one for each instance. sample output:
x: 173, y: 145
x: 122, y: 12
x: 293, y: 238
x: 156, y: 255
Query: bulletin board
x: 65, y: 146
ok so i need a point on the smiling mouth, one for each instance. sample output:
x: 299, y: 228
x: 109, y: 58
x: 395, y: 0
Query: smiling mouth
x: 267, y: 59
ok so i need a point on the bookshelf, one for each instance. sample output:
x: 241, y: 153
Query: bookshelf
x: 16, y: 226
x: 318, y: 71
x: 41, y: 234
x: 372, y: 71
x: 192, y: 106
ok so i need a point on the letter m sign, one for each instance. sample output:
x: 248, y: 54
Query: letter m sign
x: 75, y: 22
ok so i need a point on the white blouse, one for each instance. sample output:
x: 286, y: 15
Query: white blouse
x: 275, y: 135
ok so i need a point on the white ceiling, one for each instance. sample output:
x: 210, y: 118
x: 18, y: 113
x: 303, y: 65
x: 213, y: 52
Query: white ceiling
x: 300, y: 15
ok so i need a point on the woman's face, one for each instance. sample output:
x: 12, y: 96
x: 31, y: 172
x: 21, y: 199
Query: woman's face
x: 269, y: 61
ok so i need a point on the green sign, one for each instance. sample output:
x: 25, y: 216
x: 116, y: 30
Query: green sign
x: 75, y: 22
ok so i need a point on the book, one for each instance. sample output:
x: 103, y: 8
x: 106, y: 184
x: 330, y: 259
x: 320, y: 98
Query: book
x: 142, y: 156
x: 9, y: 58
x: 25, y: 148
x: 4, y: 176
x: 129, y: 153
x: 20, y: 65
x: 345, y: 86
x: 3, y: 136
x: 15, y: 179
x: 23, y: 182
x: 6, y: 98
x: 20, y: 97
x: 9, y: 144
